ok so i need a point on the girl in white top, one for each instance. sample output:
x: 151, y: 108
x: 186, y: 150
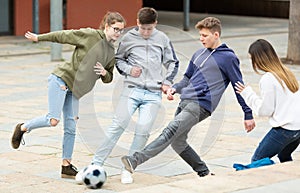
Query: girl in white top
x: 279, y: 100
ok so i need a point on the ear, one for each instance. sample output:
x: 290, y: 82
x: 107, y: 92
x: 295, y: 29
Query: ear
x: 216, y: 34
x: 138, y: 22
x: 106, y: 26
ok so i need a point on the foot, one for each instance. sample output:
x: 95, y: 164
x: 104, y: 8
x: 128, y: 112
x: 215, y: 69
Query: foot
x: 126, y: 177
x: 127, y: 164
x: 17, y: 136
x: 69, y: 171
x: 205, y: 173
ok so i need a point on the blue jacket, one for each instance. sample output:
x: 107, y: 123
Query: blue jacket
x: 208, y: 75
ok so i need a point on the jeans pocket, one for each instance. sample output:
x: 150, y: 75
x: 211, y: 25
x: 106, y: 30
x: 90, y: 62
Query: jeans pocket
x: 289, y: 134
x: 59, y: 82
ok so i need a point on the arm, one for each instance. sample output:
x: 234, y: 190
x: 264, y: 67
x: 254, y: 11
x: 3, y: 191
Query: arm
x: 184, y: 82
x: 31, y: 36
x: 263, y: 105
x: 72, y: 37
x: 171, y: 63
x: 235, y: 75
x: 121, y: 58
x: 106, y: 74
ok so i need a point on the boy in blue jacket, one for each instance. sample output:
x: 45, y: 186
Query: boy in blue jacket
x: 209, y: 72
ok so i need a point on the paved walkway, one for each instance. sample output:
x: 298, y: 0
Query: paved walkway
x: 220, y: 140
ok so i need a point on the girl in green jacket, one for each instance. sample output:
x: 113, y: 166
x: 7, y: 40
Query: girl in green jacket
x: 70, y: 81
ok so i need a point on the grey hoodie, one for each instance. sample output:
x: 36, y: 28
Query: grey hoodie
x: 149, y: 54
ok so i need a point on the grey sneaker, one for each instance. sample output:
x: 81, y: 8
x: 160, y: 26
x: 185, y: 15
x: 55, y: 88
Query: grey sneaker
x: 128, y: 164
x: 17, y: 136
x: 69, y: 171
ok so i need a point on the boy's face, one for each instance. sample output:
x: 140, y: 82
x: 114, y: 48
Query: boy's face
x: 209, y: 39
x: 146, y: 29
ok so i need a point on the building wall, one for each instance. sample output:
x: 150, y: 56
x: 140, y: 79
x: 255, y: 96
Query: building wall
x: 78, y: 14
x: 83, y: 14
x: 264, y: 8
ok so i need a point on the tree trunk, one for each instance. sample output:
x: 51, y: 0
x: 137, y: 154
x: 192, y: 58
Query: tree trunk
x: 293, y: 52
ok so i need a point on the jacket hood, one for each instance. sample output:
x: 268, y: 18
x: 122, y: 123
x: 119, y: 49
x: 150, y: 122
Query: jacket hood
x: 135, y: 31
x: 224, y: 47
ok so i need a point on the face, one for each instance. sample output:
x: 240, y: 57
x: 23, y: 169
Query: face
x: 114, y: 31
x: 209, y: 39
x: 146, y: 29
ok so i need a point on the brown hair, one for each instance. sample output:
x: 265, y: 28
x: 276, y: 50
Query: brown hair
x: 111, y: 18
x: 147, y: 15
x: 264, y: 58
x: 211, y: 23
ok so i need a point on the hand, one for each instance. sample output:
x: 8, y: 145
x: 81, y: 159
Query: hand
x: 249, y: 125
x: 239, y: 87
x: 135, y: 71
x: 170, y: 92
x: 31, y: 36
x: 164, y: 88
x: 99, y: 69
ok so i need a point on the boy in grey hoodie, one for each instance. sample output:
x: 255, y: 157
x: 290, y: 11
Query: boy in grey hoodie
x: 143, y: 52
x: 208, y: 74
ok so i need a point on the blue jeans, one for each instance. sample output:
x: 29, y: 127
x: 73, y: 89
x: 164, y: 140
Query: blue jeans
x: 278, y: 141
x: 60, y: 99
x: 148, y: 104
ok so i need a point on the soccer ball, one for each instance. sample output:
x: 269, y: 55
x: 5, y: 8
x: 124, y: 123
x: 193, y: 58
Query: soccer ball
x: 93, y: 176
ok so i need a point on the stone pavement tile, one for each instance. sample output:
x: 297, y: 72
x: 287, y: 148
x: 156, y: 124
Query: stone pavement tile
x: 25, y: 183
x: 229, y: 181
x: 290, y: 186
x: 169, y: 169
x: 140, y: 181
x: 162, y: 188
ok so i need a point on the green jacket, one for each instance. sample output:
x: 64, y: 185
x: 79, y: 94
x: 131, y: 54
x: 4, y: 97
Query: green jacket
x: 91, y: 46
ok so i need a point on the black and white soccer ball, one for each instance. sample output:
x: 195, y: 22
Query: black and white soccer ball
x: 93, y: 176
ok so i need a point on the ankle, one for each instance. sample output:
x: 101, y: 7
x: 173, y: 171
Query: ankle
x: 23, y: 128
x: 66, y: 162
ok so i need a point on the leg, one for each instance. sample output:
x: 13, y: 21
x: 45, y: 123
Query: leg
x: 148, y: 111
x: 273, y: 143
x: 187, y: 153
x: 120, y: 122
x: 286, y: 153
x: 70, y: 113
x: 183, y: 121
x: 56, y: 98
x: 57, y: 91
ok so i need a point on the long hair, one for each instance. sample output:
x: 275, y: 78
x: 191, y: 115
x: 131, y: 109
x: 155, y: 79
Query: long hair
x: 264, y: 58
x: 111, y: 18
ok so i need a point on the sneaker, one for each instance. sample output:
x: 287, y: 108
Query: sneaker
x: 69, y: 171
x: 126, y: 177
x: 17, y: 136
x: 128, y: 164
x: 203, y: 173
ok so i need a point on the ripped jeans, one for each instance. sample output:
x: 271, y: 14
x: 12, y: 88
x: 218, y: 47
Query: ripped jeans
x: 60, y: 99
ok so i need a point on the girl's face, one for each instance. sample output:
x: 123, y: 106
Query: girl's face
x: 114, y: 31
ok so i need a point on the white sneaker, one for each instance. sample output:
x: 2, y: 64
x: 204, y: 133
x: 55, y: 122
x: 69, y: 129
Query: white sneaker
x: 126, y: 177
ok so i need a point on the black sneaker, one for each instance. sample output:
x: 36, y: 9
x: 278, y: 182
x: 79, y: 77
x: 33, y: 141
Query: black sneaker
x: 17, y: 136
x: 69, y: 171
x: 203, y: 173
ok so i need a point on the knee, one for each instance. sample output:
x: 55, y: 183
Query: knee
x: 178, y: 148
x: 53, y: 122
